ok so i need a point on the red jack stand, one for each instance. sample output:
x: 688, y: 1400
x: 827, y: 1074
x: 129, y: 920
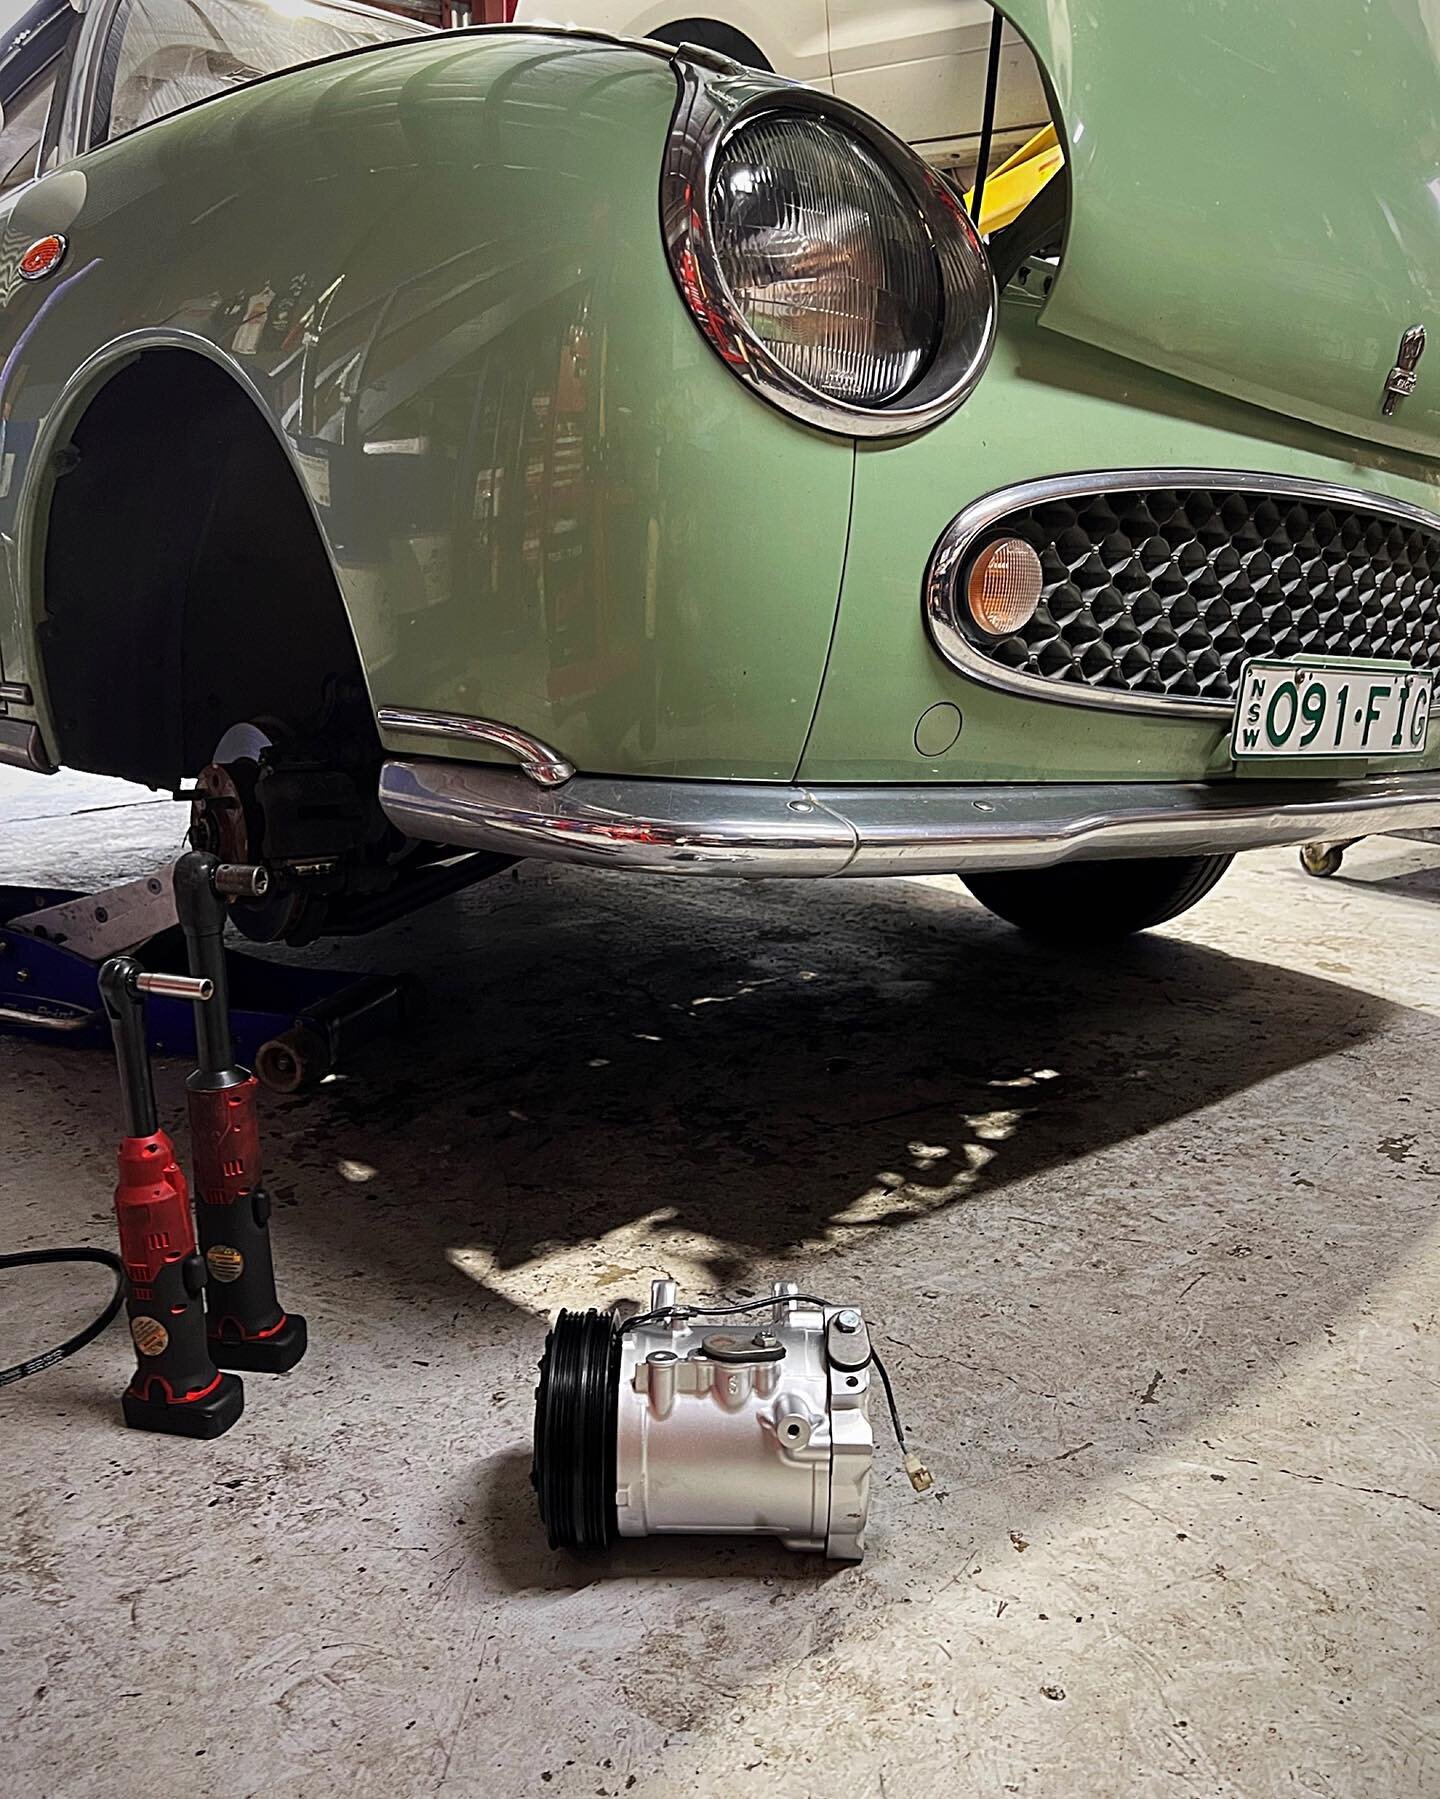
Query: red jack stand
x: 176, y: 1387
x: 248, y: 1328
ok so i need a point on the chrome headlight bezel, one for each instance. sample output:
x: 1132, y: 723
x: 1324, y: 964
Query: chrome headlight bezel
x: 714, y: 106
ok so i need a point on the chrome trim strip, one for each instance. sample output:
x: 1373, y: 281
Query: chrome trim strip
x: 542, y: 764
x: 755, y: 829
x: 21, y: 746
x: 674, y: 827
x: 716, y: 102
x: 940, y: 590
x: 905, y: 831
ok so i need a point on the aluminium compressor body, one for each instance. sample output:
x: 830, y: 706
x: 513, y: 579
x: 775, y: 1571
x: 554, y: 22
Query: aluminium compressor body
x: 756, y: 1427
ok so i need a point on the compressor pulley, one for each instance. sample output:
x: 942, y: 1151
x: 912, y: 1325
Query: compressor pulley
x: 576, y: 1404
x: 667, y: 1423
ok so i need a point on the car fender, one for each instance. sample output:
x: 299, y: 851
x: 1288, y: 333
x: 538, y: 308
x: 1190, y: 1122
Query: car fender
x: 436, y: 267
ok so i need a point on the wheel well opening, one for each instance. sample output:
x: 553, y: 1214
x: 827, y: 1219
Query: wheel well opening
x: 186, y: 585
x: 713, y: 34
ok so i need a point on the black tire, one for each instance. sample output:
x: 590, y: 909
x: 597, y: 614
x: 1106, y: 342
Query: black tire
x: 1089, y: 902
x: 710, y: 34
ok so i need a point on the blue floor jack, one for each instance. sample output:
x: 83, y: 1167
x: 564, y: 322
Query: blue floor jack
x: 292, y: 1025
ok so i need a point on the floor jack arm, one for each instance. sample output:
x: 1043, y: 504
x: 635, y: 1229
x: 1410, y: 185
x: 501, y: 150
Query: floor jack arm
x: 176, y: 1388
x: 248, y: 1327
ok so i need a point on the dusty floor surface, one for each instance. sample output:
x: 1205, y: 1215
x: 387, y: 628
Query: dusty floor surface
x: 1150, y: 1240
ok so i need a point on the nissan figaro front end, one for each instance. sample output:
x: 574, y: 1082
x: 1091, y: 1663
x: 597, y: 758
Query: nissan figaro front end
x: 540, y: 445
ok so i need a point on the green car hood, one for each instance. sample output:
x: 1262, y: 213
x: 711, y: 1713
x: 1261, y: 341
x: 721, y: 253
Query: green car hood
x: 1256, y: 196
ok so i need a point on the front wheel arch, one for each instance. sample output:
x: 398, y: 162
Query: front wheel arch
x: 714, y: 34
x: 185, y: 582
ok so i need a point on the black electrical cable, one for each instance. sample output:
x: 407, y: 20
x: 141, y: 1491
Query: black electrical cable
x: 881, y: 1370
x: 987, y: 122
x: 31, y: 1258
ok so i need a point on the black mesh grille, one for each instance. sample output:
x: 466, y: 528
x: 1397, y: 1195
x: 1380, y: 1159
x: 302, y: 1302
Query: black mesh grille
x: 1167, y: 592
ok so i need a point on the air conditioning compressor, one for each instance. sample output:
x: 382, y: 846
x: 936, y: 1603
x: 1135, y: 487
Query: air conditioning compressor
x: 673, y: 1422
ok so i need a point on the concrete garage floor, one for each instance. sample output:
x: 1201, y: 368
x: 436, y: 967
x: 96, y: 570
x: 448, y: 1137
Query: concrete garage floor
x: 1149, y: 1237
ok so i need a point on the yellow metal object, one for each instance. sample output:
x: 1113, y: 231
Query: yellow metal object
x: 1010, y: 188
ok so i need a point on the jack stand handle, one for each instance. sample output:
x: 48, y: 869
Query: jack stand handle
x: 176, y: 1389
x: 248, y: 1327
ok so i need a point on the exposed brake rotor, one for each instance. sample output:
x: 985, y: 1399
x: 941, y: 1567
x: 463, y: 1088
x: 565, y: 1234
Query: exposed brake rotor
x: 223, y: 816
x: 305, y: 808
x: 226, y: 818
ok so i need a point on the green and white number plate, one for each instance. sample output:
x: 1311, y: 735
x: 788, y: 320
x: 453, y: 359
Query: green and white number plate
x: 1329, y: 709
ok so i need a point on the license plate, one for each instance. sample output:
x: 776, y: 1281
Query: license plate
x: 1329, y: 709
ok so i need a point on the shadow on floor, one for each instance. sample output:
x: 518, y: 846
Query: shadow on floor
x: 798, y: 1066
x: 1410, y: 882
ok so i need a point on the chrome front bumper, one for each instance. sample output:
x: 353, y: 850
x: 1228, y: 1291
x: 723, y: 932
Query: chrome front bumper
x: 760, y: 829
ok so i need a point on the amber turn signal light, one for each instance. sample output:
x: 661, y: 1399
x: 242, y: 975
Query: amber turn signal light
x: 1003, y: 587
x: 43, y: 258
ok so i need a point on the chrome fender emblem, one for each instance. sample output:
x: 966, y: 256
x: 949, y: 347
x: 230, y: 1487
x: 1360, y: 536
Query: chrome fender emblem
x: 1401, y: 380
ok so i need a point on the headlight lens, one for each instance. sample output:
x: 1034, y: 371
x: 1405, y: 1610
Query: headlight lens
x: 829, y: 266
x: 827, y: 257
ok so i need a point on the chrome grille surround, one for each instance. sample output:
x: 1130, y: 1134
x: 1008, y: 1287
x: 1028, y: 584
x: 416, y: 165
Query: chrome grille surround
x: 1160, y: 583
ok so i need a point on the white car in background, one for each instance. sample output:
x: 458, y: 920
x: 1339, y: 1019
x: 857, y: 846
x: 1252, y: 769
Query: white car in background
x: 917, y: 65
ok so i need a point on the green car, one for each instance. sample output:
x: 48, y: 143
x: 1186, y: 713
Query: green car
x: 447, y: 448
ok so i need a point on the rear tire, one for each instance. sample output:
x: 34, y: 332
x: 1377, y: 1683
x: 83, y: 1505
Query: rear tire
x: 1080, y: 902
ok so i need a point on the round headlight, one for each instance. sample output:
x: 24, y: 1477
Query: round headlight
x: 827, y: 263
x: 827, y: 257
